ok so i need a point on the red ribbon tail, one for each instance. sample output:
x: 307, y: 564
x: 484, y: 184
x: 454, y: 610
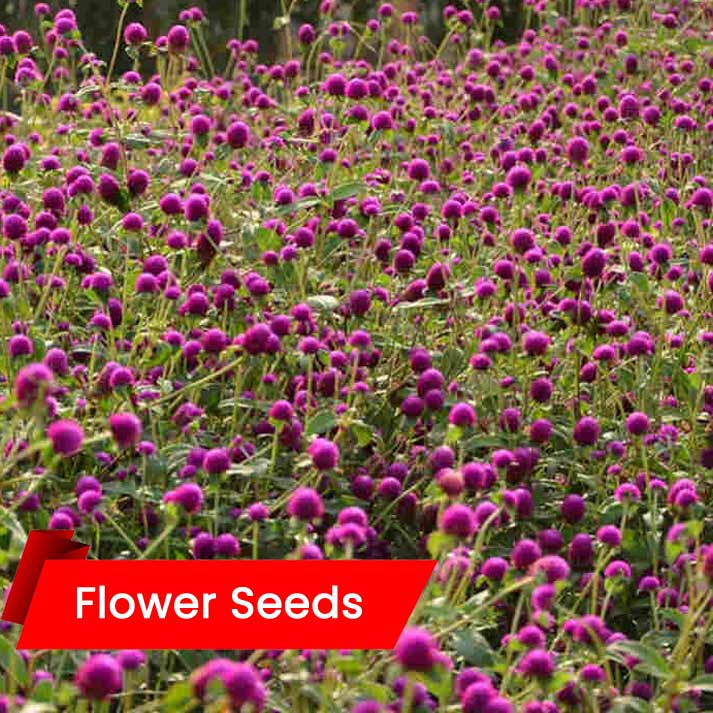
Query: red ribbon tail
x: 41, y: 545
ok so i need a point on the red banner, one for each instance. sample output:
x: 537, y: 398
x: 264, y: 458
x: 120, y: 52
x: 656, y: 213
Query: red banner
x: 66, y: 602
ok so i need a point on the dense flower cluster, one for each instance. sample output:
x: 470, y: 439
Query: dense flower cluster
x: 378, y: 300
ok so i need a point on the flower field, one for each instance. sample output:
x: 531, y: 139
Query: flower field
x: 382, y: 300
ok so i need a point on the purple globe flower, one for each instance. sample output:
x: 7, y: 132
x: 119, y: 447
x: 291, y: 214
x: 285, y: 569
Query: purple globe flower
x: 458, y: 520
x: 637, y: 423
x: 462, y: 415
x: 537, y: 663
x: 99, y: 677
x: 586, y: 431
x: 519, y: 177
x: 477, y: 696
x: 66, y: 436
x: 536, y: 343
x: 416, y: 650
x: 135, y: 34
x: 609, y: 535
x: 238, y: 134
x: 178, y: 39
x: 125, y: 429
x: 31, y: 383
x: 226, y: 545
x: 525, y: 553
x: 494, y: 568
x: 305, y: 504
x: 573, y: 508
x: 216, y: 461
x: 131, y: 659
x: 554, y: 568
x: 244, y: 687
x: 577, y: 149
x: 324, y: 453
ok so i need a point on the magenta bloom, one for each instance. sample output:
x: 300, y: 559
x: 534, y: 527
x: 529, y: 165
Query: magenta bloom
x: 537, y: 663
x: 178, y: 39
x: 305, y: 504
x: 586, y: 431
x: 577, y: 149
x: 462, y: 415
x: 66, y: 436
x: 216, y: 461
x: 131, y: 659
x: 99, y: 677
x: 240, y: 681
x: 637, y: 423
x: 458, y: 520
x: 238, y: 134
x: 188, y: 495
x: 536, y: 343
x: 324, y: 453
x: 135, y: 34
x: 416, y: 650
x: 32, y: 382
x: 125, y: 428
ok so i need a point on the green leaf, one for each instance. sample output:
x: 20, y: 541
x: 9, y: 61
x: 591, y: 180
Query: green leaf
x: 322, y: 422
x: 376, y: 691
x: 9, y: 520
x: 363, y: 432
x: 650, y: 660
x: 438, y: 682
x: 65, y: 694
x: 454, y: 434
x: 348, y: 665
x: 267, y: 239
x: 629, y: 704
x: 346, y: 190
x: 423, y: 303
x: 323, y: 303
x: 640, y: 280
x: 42, y: 692
x: 674, y: 616
x: 702, y: 683
x: 301, y: 203
x: 438, y: 542
x: 474, y: 648
x: 179, y: 698
x: 12, y: 662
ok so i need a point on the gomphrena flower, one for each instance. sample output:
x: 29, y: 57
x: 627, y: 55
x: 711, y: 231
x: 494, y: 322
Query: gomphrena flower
x: 537, y: 663
x: 458, y: 520
x: 416, y: 650
x: 66, y: 436
x: 240, y: 682
x: 462, y: 415
x: 216, y: 461
x: 135, y: 34
x: 305, y: 504
x: 32, y: 383
x: 125, y: 428
x: 178, y: 39
x: 324, y: 453
x: 573, y: 508
x: 188, y: 495
x: 99, y: 677
x: 131, y: 659
x: 637, y: 423
x: 586, y: 431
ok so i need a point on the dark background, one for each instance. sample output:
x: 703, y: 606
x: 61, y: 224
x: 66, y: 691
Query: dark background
x: 98, y: 18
